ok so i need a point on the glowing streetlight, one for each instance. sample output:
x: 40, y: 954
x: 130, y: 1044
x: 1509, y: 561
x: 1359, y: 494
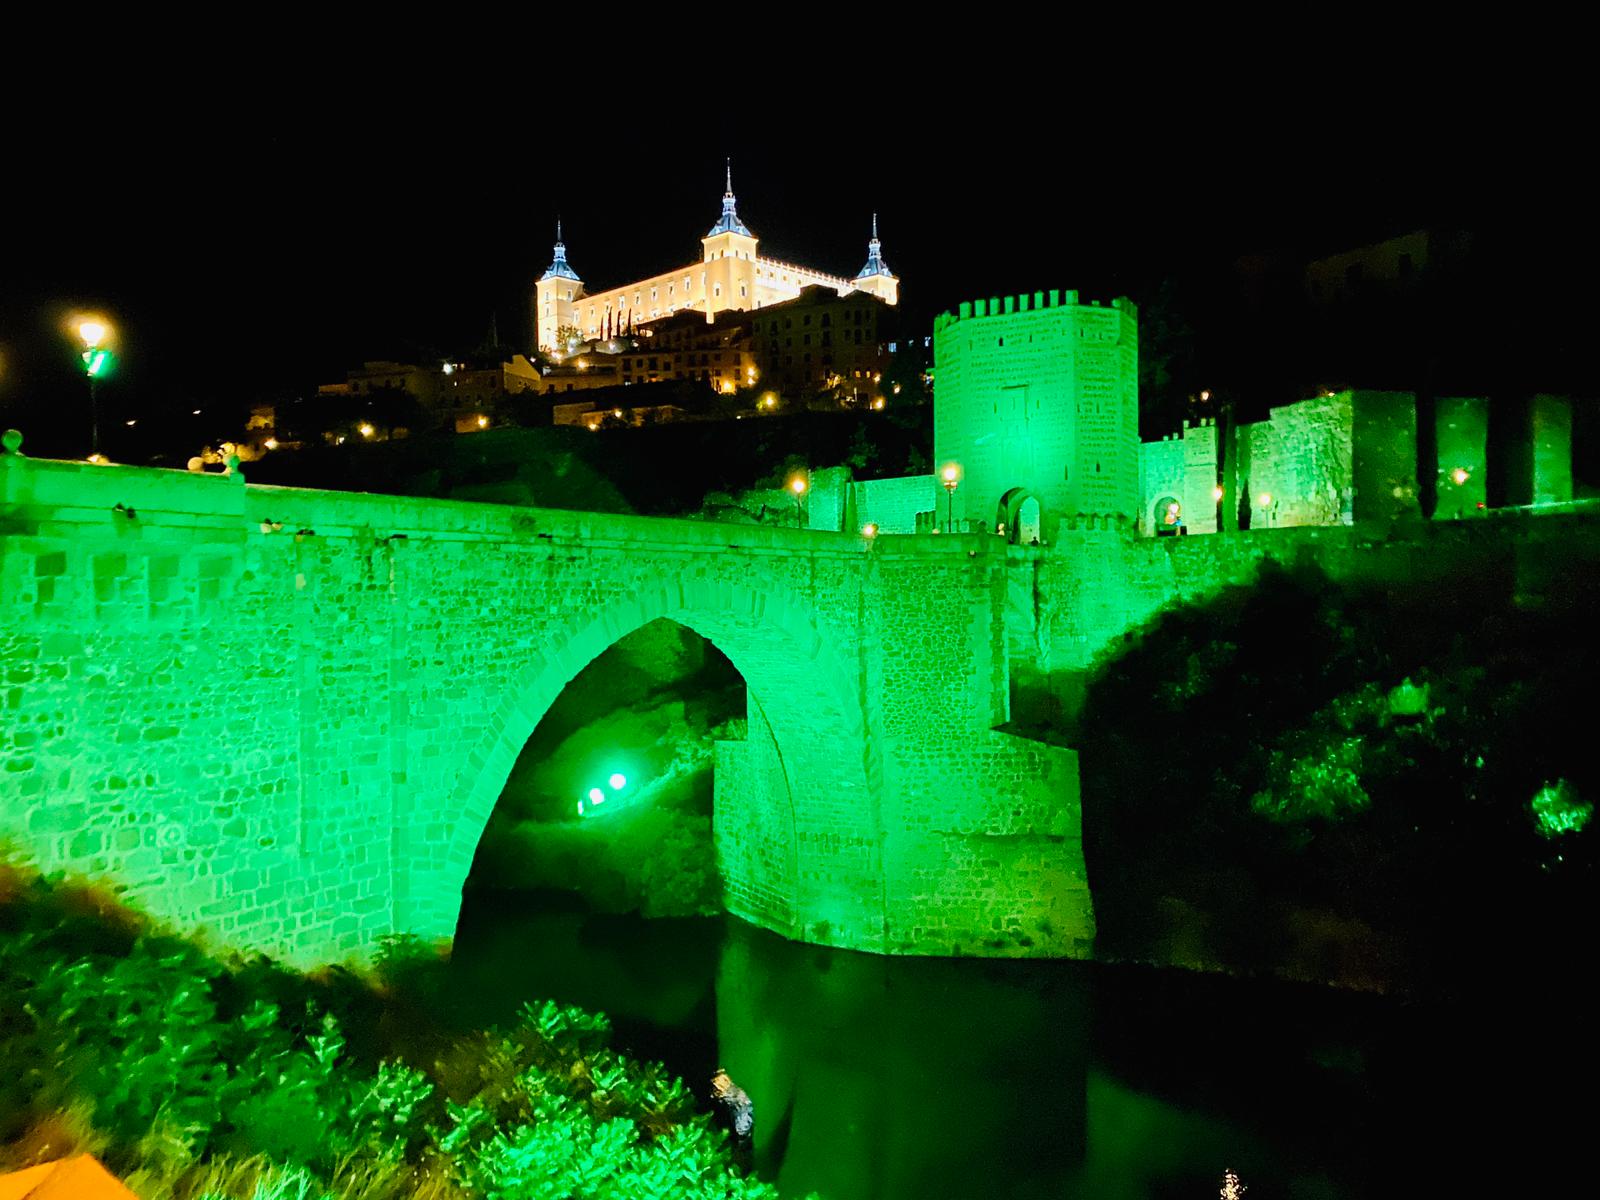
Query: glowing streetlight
x: 798, y: 485
x: 365, y: 430
x: 950, y: 479
x: 94, y: 333
x: 1216, y: 493
x: 1460, y: 475
x: 271, y: 443
x: 483, y: 422
x: 870, y: 529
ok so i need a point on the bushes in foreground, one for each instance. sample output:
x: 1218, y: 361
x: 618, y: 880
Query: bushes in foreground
x: 195, y: 1076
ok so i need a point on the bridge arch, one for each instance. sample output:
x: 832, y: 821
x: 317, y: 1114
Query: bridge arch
x: 804, y: 706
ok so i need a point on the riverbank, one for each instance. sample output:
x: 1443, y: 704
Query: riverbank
x: 195, y: 1074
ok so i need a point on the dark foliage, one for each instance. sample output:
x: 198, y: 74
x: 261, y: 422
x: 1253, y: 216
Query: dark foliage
x: 1300, y: 756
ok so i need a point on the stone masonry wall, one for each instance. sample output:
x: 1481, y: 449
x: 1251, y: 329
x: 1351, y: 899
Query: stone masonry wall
x: 286, y: 715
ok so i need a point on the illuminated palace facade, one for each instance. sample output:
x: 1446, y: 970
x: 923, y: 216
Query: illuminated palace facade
x: 730, y: 275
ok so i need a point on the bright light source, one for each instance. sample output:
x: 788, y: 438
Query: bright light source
x: 618, y: 782
x: 797, y: 485
x: 870, y: 529
x: 366, y: 430
x: 449, y: 368
x: 1265, y: 499
x: 1216, y: 493
x: 596, y: 796
x: 99, y: 459
x: 196, y: 413
x: 1460, y: 475
x: 271, y: 443
x: 92, y: 333
x: 132, y: 423
x: 878, y: 403
x: 1205, y: 395
x: 951, y: 474
x: 483, y: 422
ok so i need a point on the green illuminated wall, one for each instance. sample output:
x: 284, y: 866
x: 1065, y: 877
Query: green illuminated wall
x: 1461, y: 426
x: 1550, y: 421
x: 1039, y: 393
x: 286, y: 715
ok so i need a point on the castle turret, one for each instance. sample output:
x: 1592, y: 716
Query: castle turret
x: 730, y: 258
x: 875, y: 278
x: 557, y: 289
x: 1037, y: 411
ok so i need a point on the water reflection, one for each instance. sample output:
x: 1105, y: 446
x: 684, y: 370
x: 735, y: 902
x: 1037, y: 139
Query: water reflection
x: 880, y: 1078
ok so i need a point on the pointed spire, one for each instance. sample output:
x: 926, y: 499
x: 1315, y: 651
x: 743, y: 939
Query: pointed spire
x: 729, y: 221
x: 875, y: 264
x: 559, y: 268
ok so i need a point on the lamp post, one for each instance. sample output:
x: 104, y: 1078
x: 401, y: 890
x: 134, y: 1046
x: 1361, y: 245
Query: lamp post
x: 96, y: 362
x: 951, y: 480
x: 798, y: 486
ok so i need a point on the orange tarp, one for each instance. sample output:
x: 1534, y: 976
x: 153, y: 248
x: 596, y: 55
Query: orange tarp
x: 79, y: 1178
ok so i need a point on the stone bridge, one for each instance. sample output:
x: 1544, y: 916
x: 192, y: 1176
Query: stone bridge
x: 285, y: 715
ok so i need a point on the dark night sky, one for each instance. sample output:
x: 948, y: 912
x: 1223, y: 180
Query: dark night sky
x: 253, y: 248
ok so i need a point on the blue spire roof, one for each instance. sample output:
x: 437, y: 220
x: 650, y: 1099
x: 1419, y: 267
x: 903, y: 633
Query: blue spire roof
x: 875, y: 264
x: 729, y: 221
x: 558, y: 266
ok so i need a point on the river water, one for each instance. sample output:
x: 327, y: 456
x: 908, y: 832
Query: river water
x: 888, y: 1078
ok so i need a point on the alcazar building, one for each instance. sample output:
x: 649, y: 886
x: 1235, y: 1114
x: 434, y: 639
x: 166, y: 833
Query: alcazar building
x: 731, y: 274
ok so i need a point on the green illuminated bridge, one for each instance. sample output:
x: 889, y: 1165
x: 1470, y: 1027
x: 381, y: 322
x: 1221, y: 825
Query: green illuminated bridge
x: 285, y: 715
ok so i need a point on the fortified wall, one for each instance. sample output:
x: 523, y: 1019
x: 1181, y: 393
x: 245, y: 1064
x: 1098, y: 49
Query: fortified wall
x: 1352, y: 456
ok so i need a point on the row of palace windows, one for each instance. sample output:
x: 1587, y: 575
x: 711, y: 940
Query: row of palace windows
x: 826, y: 339
x: 853, y: 316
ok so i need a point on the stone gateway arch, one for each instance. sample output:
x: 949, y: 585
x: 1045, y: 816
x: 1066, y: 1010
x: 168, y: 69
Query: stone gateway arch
x: 286, y: 715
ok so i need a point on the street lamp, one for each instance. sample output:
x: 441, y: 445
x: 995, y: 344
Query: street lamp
x: 951, y: 479
x: 94, y: 333
x: 798, y: 486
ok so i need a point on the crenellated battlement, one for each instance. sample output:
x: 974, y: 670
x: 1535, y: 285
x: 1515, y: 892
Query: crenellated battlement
x: 1022, y: 302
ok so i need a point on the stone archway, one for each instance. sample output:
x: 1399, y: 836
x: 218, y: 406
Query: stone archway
x: 1166, y: 515
x: 1020, y: 516
x: 787, y: 797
